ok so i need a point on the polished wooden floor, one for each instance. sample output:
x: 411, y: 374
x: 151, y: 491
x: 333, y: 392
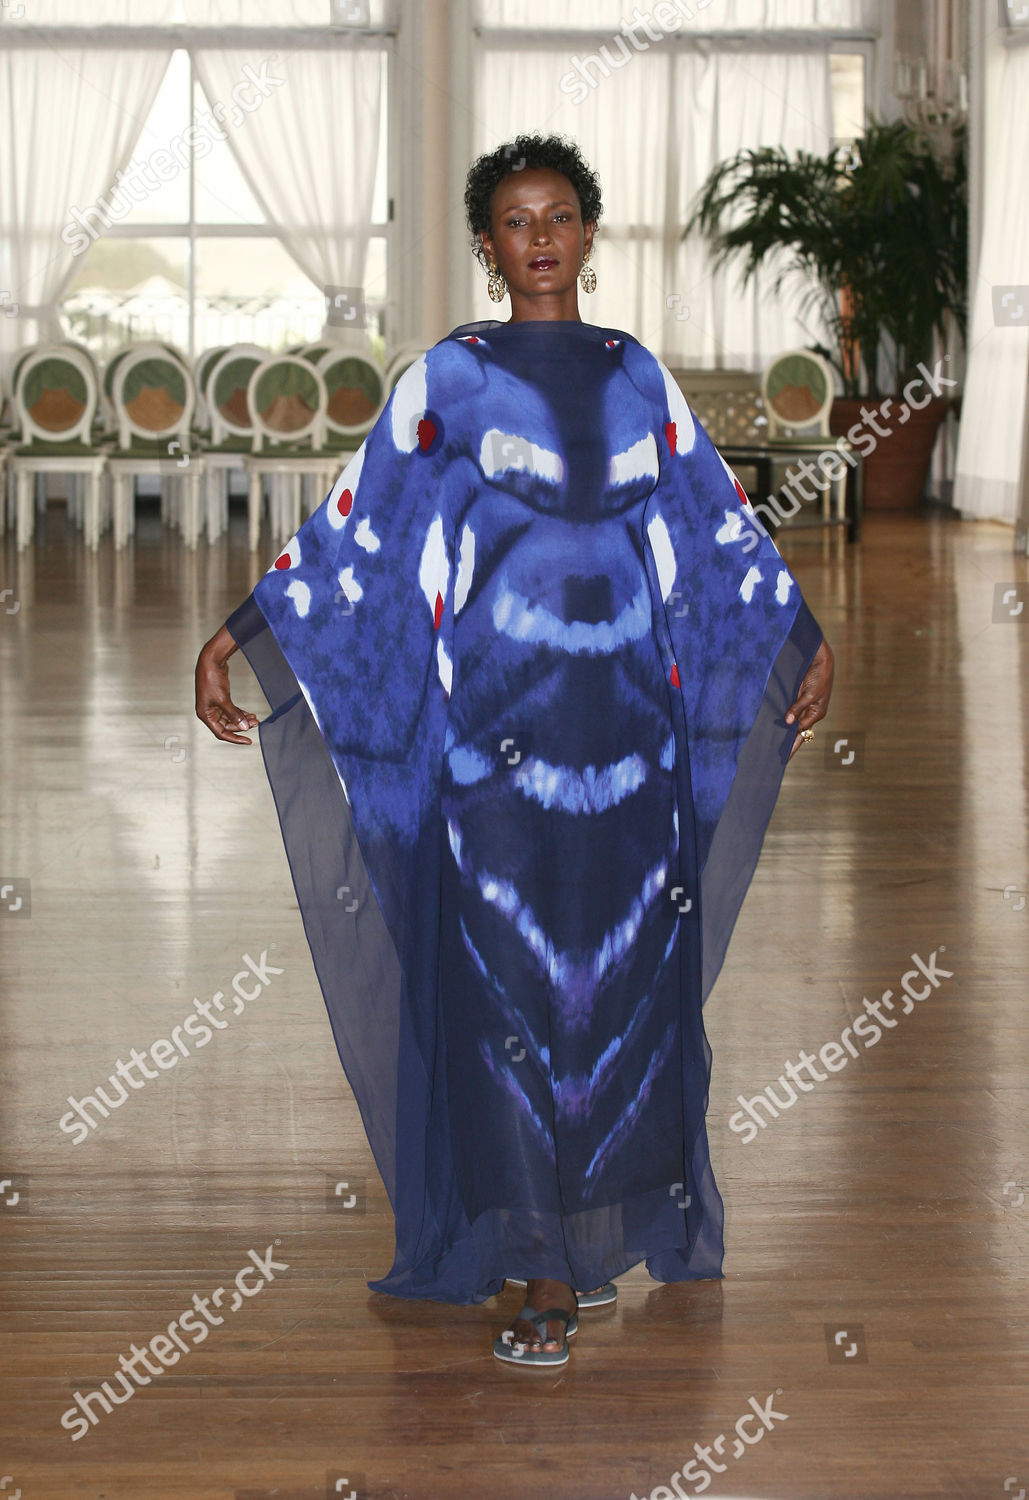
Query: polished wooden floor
x: 877, y: 1230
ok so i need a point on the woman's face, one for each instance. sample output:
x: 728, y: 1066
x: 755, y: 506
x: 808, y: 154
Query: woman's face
x: 537, y: 238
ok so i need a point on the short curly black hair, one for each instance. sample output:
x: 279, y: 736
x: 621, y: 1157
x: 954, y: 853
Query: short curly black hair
x: 554, y: 151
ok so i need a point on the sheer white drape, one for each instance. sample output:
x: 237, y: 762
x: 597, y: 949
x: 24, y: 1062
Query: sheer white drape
x: 653, y: 129
x: 309, y: 150
x: 71, y: 119
x: 285, y: 12
x: 695, y: 15
x: 39, y: 13
x: 992, y: 413
x: 92, y: 13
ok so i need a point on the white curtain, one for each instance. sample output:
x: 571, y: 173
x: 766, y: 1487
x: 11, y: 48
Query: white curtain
x: 996, y: 387
x: 71, y: 118
x: 309, y: 151
x: 653, y: 129
x: 285, y: 12
x: 92, y: 13
x: 696, y: 15
x: 87, y: 13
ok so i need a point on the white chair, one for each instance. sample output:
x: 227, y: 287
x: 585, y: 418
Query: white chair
x: 55, y: 399
x: 108, y: 415
x: 202, y: 367
x: 232, y: 431
x: 798, y: 389
x: 357, y: 392
x: 287, y: 401
x: 153, y: 397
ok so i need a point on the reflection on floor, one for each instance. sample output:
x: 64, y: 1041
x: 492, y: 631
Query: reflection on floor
x: 877, y: 1197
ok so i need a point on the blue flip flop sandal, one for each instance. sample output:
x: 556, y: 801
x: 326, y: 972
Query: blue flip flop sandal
x: 508, y: 1349
x: 602, y: 1297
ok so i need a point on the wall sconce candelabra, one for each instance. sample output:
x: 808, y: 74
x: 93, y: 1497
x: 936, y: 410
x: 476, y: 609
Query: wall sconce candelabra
x: 931, y: 50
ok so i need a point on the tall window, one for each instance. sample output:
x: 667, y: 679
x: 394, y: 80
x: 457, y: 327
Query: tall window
x: 654, y: 112
x: 194, y: 261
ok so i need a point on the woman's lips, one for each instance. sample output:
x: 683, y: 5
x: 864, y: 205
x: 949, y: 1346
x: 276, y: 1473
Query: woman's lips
x: 542, y: 263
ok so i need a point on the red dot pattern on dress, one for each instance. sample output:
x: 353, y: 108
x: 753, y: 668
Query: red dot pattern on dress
x: 670, y: 436
x: 283, y: 560
x: 437, y: 613
x: 740, y: 491
x: 345, y: 503
x: 426, y: 433
x: 673, y: 677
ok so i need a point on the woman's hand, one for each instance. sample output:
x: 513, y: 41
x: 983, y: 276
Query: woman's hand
x: 215, y: 707
x: 813, y: 699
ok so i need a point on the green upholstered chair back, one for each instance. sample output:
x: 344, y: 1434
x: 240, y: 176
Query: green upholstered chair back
x: 153, y: 396
x: 55, y: 394
x: 287, y: 401
x: 226, y: 392
x: 155, y: 346
x: 356, y: 389
x: 110, y: 370
x: 798, y: 391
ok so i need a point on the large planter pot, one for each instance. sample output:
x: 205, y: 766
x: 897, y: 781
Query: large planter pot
x: 897, y: 467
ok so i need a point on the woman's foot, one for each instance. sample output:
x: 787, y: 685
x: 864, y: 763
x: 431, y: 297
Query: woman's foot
x: 542, y: 1294
x: 600, y: 1296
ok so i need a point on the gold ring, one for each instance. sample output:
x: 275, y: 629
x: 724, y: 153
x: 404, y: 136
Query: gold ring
x: 807, y: 735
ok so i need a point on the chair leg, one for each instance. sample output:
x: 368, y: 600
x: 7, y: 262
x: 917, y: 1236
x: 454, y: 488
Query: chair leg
x: 106, y: 516
x: 123, y: 488
x: 91, y: 510
x: 254, y: 510
x: 275, y: 507
x: 296, y: 505
x: 212, y: 480
x: 278, y: 508
x: 25, y: 506
x: 191, y: 498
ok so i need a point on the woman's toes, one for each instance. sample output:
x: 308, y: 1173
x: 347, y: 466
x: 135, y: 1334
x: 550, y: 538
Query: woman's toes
x: 526, y: 1336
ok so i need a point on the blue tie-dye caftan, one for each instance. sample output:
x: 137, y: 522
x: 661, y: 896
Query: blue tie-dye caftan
x: 528, y: 668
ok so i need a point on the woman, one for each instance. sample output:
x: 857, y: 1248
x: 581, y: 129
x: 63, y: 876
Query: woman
x: 535, y: 672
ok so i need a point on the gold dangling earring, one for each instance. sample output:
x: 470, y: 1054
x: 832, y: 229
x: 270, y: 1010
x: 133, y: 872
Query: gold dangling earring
x: 587, y: 276
x: 496, y: 285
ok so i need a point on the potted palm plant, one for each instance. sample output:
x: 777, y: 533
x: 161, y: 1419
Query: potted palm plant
x: 875, y: 239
